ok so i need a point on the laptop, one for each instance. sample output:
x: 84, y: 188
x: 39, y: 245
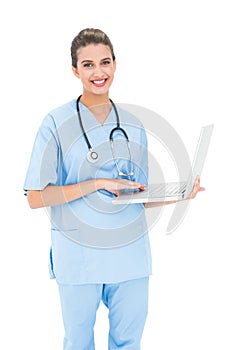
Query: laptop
x: 172, y: 190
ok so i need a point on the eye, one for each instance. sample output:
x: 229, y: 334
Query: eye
x: 106, y: 62
x: 87, y: 65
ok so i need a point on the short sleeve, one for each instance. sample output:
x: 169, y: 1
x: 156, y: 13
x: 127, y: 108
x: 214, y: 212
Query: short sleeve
x: 44, y: 161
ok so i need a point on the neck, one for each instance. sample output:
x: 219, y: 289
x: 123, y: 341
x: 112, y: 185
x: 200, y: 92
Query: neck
x: 99, y: 105
x: 91, y: 100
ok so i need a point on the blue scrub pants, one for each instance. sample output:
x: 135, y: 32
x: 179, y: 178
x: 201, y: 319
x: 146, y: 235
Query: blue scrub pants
x: 127, y: 303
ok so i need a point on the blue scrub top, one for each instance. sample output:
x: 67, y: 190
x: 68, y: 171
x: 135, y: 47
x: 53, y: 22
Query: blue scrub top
x: 93, y: 241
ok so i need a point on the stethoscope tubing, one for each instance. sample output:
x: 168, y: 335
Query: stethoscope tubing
x: 93, y: 156
x: 117, y: 128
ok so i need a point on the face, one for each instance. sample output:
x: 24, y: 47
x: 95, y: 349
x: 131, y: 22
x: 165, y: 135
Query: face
x: 95, y: 68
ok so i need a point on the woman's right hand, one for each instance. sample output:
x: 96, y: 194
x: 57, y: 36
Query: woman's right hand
x: 116, y: 185
x: 56, y: 195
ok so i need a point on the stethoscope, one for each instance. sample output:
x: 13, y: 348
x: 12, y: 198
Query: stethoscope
x: 92, y: 156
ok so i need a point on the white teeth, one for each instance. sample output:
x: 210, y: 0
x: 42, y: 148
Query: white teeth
x: 99, y: 81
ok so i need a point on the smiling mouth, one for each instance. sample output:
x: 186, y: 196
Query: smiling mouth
x: 99, y: 83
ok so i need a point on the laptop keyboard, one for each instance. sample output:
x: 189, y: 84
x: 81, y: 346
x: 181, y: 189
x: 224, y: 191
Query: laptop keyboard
x: 169, y: 188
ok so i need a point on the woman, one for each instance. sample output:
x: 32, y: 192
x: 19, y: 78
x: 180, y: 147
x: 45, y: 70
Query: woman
x: 99, y: 251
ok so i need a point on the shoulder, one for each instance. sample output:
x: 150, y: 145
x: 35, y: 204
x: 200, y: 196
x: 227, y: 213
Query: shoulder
x: 130, y: 117
x: 58, y: 116
x: 62, y: 113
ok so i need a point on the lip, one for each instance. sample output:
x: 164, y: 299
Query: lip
x: 99, y: 82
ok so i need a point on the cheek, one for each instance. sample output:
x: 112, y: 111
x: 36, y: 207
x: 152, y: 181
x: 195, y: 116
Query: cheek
x: 110, y: 72
x: 84, y: 76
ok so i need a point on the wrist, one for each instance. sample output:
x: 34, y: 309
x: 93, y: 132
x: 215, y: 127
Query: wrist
x: 100, y: 184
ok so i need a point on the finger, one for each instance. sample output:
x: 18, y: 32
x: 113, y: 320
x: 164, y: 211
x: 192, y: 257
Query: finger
x: 117, y: 193
x: 132, y: 184
x: 142, y: 187
x: 195, y: 191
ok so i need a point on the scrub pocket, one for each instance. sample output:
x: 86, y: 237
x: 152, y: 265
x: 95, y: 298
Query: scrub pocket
x: 51, y: 272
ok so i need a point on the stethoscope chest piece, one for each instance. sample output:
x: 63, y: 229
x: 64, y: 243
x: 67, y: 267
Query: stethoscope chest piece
x: 92, y: 157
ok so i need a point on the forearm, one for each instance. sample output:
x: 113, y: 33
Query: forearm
x: 57, y: 195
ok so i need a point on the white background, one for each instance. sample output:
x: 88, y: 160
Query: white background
x: 174, y: 57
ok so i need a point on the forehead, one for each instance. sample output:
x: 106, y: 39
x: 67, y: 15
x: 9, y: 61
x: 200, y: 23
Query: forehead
x: 94, y: 52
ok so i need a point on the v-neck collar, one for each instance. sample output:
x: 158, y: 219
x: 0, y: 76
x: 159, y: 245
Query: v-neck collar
x: 89, y: 120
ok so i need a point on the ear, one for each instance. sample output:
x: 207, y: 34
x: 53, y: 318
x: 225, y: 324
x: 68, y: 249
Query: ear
x: 75, y: 71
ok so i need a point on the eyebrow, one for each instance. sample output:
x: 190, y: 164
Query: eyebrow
x: 107, y: 58
x: 103, y: 59
x: 86, y: 61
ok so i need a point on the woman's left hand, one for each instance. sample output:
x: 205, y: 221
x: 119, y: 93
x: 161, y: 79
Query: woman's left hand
x: 196, y: 188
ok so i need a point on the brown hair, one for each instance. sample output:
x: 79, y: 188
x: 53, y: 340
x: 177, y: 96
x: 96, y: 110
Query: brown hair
x: 89, y: 36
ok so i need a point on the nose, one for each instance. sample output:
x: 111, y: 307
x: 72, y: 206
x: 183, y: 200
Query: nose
x: 98, y: 71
